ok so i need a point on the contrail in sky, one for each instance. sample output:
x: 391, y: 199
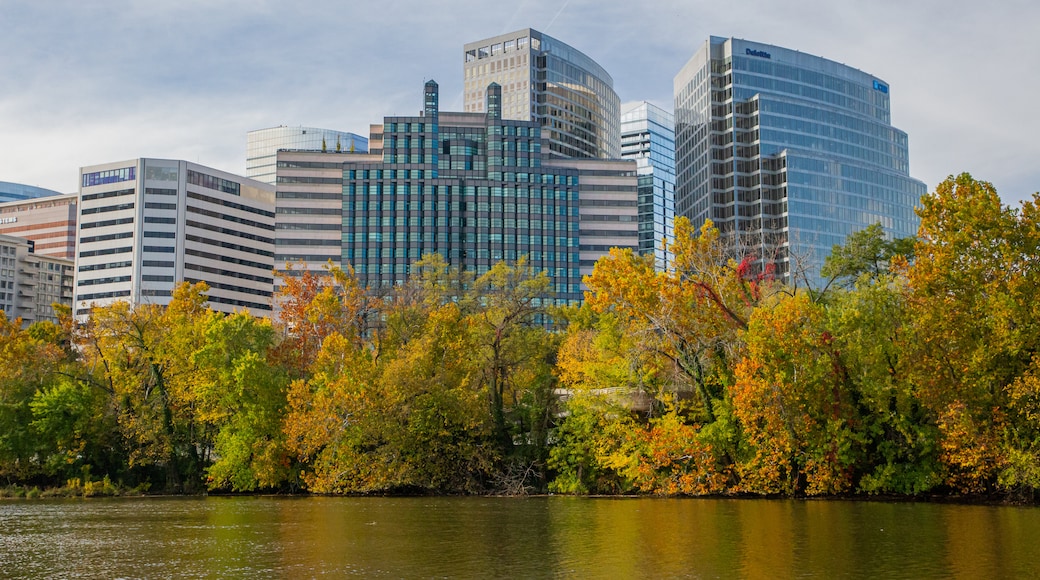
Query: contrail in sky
x: 560, y: 11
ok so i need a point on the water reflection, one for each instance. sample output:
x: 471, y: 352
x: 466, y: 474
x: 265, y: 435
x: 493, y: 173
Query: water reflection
x: 513, y: 538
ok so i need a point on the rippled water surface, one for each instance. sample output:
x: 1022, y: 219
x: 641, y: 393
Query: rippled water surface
x: 545, y: 537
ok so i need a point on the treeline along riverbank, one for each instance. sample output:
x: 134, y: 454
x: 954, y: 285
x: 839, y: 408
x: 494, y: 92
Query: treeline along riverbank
x: 910, y: 371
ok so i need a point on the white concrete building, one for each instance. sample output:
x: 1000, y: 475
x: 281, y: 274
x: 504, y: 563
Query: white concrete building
x: 145, y: 225
x: 30, y: 283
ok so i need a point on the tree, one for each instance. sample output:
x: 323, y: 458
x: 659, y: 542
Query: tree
x: 797, y: 417
x: 513, y: 349
x: 691, y: 316
x: 975, y: 330
x: 143, y: 357
x: 76, y: 430
x: 27, y: 366
x: 870, y: 328
x: 864, y: 253
x: 315, y: 306
x: 402, y: 409
x: 241, y: 395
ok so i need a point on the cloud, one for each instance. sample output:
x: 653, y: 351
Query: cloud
x: 101, y: 81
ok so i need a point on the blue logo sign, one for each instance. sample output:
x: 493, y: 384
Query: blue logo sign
x: 758, y: 53
x: 881, y: 87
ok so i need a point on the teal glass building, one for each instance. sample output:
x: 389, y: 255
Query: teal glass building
x: 469, y: 186
x: 788, y: 153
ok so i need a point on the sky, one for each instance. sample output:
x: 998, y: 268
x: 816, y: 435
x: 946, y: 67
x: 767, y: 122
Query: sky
x: 93, y: 82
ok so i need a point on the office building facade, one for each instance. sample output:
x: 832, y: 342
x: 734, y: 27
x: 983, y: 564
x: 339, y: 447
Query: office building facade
x: 48, y: 222
x: 309, y: 210
x: 263, y: 145
x: 788, y: 153
x: 648, y: 137
x: 547, y: 81
x: 30, y: 283
x: 146, y: 225
x: 608, y: 207
x: 469, y: 186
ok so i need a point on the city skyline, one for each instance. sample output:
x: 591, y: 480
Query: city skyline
x: 190, y: 80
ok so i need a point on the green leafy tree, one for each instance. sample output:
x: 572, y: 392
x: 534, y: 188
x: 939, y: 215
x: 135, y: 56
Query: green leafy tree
x: 865, y: 253
x: 241, y: 395
x: 27, y: 366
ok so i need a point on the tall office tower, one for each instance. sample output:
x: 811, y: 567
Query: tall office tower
x: 608, y: 204
x: 49, y: 222
x: 648, y: 137
x: 469, y: 186
x: 792, y: 151
x: 262, y: 146
x: 551, y: 83
x: 146, y: 225
x: 19, y: 191
x: 30, y: 283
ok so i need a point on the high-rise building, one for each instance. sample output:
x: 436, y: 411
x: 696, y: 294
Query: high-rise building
x: 31, y: 283
x: 648, y: 137
x: 547, y: 81
x: 469, y: 186
x: 791, y: 151
x: 608, y: 200
x: 479, y: 189
x: 146, y: 225
x: 49, y: 222
x: 309, y: 209
x: 262, y: 146
x: 18, y: 191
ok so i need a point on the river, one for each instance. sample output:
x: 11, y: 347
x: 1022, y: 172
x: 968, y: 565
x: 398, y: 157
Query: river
x: 543, y: 537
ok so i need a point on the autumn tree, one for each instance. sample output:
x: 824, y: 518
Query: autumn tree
x: 401, y: 408
x: 691, y: 315
x: 797, y: 417
x: 975, y: 331
x: 143, y: 357
x: 513, y: 351
x: 313, y: 306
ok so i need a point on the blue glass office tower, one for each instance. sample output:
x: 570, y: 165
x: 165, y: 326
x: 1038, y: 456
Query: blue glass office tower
x: 648, y: 137
x: 469, y: 186
x: 788, y: 153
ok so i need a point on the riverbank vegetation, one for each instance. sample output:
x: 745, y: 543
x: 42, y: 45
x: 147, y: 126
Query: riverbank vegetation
x: 911, y: 370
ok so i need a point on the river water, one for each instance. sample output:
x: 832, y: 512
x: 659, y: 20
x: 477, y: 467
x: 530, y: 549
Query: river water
x: 545, y: 537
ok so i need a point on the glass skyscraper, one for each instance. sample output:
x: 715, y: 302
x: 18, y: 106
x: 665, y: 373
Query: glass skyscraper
x: 788, y: 152
x: 648, y: 137
x: 469, y: 186
x: 547, y: 81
